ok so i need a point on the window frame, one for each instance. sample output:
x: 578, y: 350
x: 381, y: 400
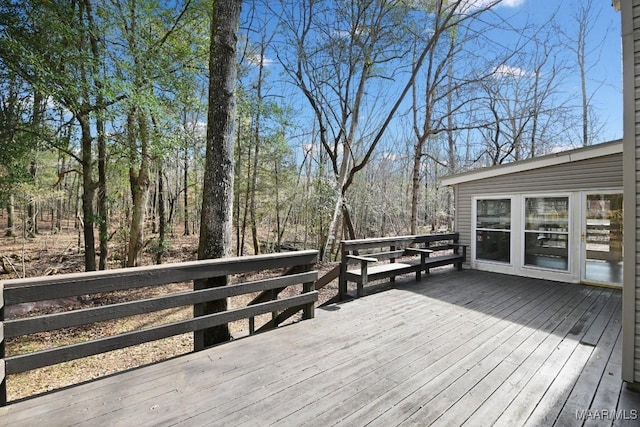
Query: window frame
x: 510, y: 230
x: 524, y: 230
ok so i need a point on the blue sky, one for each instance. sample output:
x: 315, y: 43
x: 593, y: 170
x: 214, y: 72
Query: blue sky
x: 604, y: 66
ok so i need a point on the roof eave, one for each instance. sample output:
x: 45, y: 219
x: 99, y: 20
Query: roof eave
x: 536, y: 163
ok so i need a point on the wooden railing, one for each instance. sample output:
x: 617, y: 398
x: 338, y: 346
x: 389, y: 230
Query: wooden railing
x: 298, y: 270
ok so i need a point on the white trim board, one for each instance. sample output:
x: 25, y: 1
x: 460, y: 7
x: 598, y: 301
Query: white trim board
x: 584, y: 153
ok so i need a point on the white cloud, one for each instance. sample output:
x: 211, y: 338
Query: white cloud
x: 341, y: 34
x: 468, y: 5
x: 512, y: 3
x: 509, y: 71
x: 484, y: 3
x: 254, y: 60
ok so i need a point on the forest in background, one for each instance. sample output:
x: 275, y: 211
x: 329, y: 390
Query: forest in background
x: 348, y: 113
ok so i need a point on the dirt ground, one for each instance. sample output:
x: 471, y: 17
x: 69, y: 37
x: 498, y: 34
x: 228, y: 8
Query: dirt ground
x: 50, y: 254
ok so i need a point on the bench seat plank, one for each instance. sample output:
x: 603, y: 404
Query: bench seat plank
x: 441, y: 260
x: 382, y: 269
x: 362, y: 258
x: 363, y: 275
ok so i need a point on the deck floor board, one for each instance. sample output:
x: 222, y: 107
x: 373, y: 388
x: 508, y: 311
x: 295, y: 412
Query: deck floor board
x: 467, y: 347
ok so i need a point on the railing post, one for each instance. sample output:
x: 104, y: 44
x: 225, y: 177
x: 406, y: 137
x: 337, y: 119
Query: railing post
x: 342, y: 281
x: 393, y: 278
x: 3, y: 375
x: 309, y: 311
x: 274, y: 314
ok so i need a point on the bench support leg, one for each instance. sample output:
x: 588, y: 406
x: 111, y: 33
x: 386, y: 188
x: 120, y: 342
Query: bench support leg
x: 363, y: 279
x: 464, y: 257
x: 423, y: 259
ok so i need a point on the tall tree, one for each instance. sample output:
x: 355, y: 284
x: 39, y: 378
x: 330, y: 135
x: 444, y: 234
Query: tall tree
x: 343, y: 56
x: 97, y: 49
x: 583, y: 44
x: 217, y: 195
x: 47, y: 45
x: 150, y: 57
x: 341, y: 52
x: 526, y: 110
x: 14, y: 143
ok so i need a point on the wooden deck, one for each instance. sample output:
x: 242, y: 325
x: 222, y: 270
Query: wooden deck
x: 459, y: 348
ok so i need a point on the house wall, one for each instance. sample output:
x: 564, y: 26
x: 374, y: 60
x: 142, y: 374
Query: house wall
x: 585, y: 175
x: 631, y: 150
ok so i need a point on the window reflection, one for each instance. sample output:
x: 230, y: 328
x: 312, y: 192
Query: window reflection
x: 493, y: 225
x: 546, y: 236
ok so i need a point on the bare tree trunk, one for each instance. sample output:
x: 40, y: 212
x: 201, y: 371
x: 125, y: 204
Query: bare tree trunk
x: 237, y: 171
x: 162, y: 220
x: 217, y: 194
x: 32, y: 219
x: 153, y: 209
x: 534, y: 119
x: 185, y: 188
x: 36, y: 123
x: 88, y: 80
x: 415, y: 184
x: 245, y: 212
x: 103, y: 213
x: 307, y: 195
x: 343, y: 182
x: 252, y: 200
x: 139, y: 182
x: 257, y: 135
x: 59, y: 214
x: 88, y: 193
x: 334, y: 228
x: 57, y: 224
x: 10, y: 217
x: 278, y: 219
x: 452, y: 142
x: 585, y: 101
x: 103, y: 220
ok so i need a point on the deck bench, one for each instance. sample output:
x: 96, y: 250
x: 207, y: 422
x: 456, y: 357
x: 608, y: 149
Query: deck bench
x: 428, y: 254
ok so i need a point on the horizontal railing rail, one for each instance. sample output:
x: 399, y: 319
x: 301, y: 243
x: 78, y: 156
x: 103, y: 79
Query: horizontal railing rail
x: 298, y: 271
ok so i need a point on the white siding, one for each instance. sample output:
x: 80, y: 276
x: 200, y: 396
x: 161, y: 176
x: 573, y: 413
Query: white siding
x: 602, y: 172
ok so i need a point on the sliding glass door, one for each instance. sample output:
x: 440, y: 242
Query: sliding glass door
x: 602, y: 238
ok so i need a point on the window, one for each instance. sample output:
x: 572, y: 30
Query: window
x: 546, y: 234
x: 493, y: 230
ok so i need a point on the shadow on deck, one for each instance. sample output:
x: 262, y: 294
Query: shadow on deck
x: 459, y: 348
